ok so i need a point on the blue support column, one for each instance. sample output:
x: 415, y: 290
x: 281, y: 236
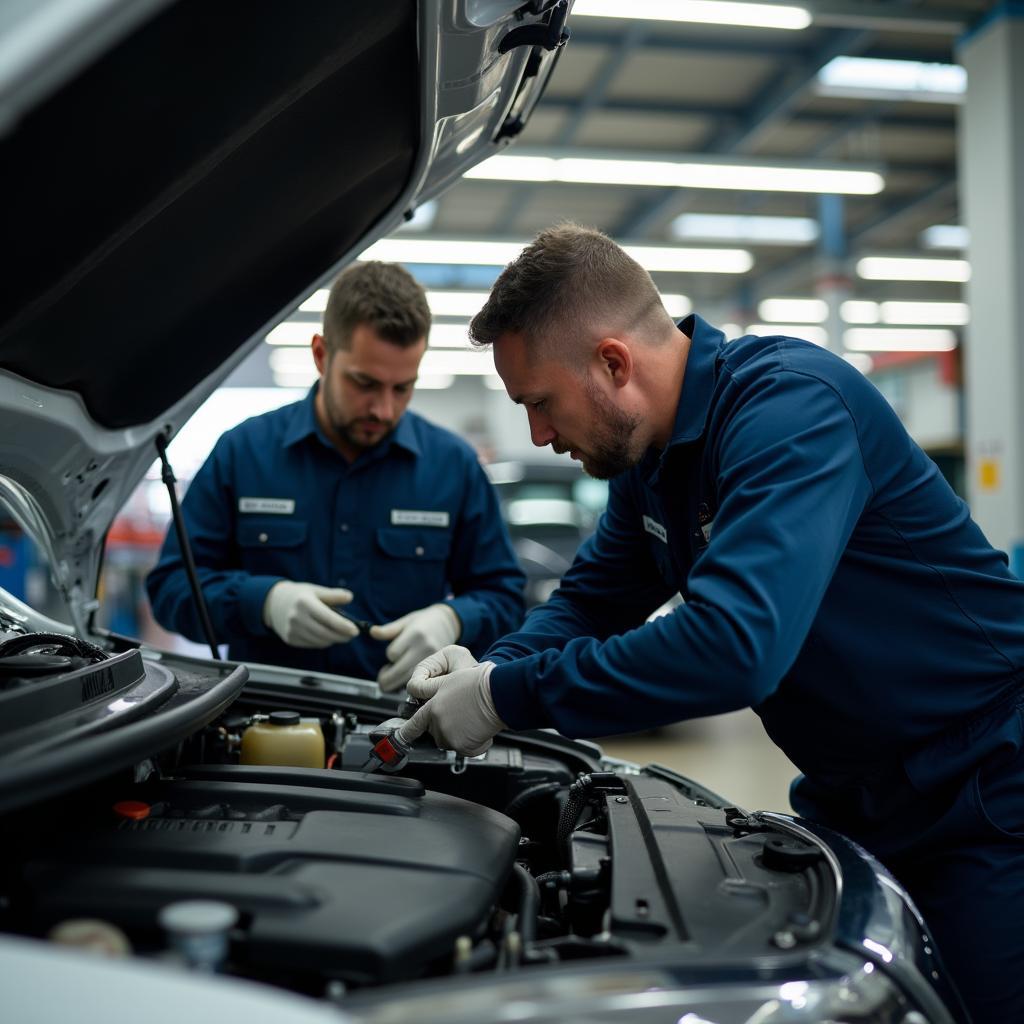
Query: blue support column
x: 832, y: 280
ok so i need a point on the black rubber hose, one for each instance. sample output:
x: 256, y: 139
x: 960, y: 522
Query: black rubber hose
x: 529, y: 796
x: 54, y: 643
x: 529, y: 905
x: 167, y: 475
x: 571, y: 815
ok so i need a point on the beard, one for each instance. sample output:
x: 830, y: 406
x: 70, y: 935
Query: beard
x: 360, y: 432
x: 610, y: 451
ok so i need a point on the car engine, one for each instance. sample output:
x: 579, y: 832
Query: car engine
x: 218, y: 820
x: 530, y: 853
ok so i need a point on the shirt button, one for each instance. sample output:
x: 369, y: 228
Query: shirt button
x: 342, y: 581
x: 419, y: 551
x: 264, y: 538
x: 343, y: 527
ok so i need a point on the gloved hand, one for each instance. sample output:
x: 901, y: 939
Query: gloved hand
x: 459, y: 712
x: 300, y: 614
x: 413, y: 637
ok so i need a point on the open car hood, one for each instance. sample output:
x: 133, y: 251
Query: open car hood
x: 179, y: 176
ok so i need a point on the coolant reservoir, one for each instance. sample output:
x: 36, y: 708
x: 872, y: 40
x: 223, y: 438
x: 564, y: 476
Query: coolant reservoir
x: 284, y: 739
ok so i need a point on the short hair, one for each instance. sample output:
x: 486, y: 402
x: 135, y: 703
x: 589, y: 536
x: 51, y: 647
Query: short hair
x: 384, y: 296
x: 570, y: 277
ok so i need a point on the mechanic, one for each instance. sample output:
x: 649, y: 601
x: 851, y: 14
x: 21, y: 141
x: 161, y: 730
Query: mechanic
x: 346, y: 502
x: 832, y: 581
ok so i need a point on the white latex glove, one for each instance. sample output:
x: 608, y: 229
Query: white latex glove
x: 459, y: 712
x: 413, y: 637
x: 300, y: 614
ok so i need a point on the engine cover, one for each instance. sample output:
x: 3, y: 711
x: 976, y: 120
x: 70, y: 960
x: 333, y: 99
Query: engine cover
x: 350, y: 876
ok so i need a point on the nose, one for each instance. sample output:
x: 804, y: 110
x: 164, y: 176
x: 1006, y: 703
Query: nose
x: 383, y: 406
x: 541, y: 432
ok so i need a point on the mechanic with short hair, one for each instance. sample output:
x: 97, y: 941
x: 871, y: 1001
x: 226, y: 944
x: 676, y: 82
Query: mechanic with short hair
x: 832, y: 581
x: 345, y: 501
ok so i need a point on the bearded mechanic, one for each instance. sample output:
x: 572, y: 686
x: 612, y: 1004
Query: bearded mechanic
x: 345, y: 505
x: 831, y: 580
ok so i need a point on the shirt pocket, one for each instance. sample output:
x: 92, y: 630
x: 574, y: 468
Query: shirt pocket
x: 276, y: 547
x: 412, y: 567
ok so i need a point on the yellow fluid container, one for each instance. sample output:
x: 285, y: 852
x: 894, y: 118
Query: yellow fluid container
x: 284, y: 739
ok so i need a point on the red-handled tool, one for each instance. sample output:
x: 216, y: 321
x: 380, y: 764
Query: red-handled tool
x: 390, y: 753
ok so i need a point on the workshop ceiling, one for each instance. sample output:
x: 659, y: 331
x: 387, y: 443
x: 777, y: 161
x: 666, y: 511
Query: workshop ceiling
x: 635, y: 89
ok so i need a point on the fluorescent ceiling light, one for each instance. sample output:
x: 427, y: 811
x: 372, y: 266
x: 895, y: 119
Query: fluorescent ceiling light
x: 441, y: 361
x: 437, y: 250
x: 945, y: 236
x: 316, y: 303
x: 677, y: 306
x: 456, y: 303
x: 799, y: 311
x: 298, y: 379
x: 874, y: 78
x: 435, y: 382
x: 450, y: 336
x: 860, y: 311
x: 295, y: 361
x: 293, y: 333
x: 895, y: 268
x: 719, y: 227
x: 442, y: 303
x: 896, y: 339
x: 807, y: 332
x: 660, y: 173
x: 671, y: 259
x: 942, y: 314
x: 711, y: 12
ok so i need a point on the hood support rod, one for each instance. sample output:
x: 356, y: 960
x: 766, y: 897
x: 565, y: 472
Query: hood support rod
x: 167, y: 475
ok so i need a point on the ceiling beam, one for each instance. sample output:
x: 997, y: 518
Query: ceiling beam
x: 779, y: 278
x: 670, y: 108
x: 776, y: 102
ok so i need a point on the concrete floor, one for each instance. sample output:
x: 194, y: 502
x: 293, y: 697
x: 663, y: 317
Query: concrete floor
x: 729, y: 754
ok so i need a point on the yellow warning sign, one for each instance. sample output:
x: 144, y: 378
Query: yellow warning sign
x: 988, y: 474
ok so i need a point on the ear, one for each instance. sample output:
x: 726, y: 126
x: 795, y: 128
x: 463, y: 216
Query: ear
x: 616, y: 360
x: 320, y: 355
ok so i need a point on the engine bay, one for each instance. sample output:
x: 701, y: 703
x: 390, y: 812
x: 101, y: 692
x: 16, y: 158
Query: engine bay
x: 333, y: 880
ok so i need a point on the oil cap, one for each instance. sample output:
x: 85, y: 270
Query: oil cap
x: 284, y: 718
x: 199, y: 931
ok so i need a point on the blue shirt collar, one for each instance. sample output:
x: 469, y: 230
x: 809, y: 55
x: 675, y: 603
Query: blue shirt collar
x: 695, y: 396
x: 304, y: 424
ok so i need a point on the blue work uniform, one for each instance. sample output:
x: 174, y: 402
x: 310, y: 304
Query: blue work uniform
x: 413, y: 521
x: 833, y: 582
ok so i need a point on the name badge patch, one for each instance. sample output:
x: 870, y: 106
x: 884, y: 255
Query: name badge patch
x: 412, y: 517
x: 652, y: 526
x: 273, y: 506
x: 706, y: 530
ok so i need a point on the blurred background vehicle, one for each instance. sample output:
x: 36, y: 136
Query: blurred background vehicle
x: 550, y: 508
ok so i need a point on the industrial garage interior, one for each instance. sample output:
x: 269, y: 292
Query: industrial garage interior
x: 512, y: 510
x: 873, y: 94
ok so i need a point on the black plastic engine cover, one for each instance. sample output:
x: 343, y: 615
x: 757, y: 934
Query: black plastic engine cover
x: 330, y: 876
